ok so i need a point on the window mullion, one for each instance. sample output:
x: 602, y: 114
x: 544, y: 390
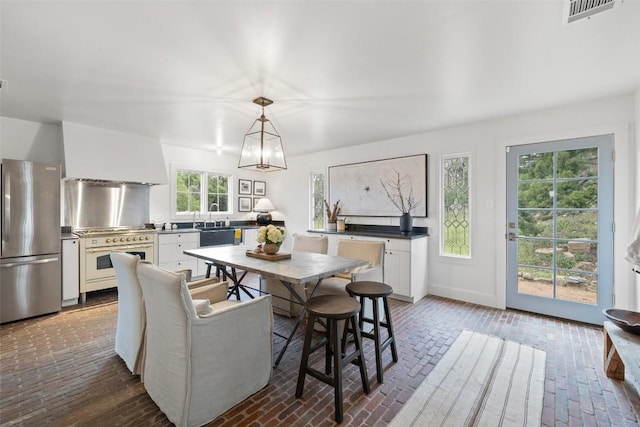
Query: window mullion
x: 204, y: 192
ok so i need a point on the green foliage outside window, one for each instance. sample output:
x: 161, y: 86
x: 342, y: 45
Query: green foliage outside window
x: 575, y: 174
x: 557, y: 204
x: 189, y: 192
x: 218, y: 193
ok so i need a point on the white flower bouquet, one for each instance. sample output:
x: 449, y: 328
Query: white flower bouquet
x: 270, y: 234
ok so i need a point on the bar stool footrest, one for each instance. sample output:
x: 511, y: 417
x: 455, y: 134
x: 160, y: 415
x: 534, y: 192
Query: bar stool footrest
x: 327, y: 379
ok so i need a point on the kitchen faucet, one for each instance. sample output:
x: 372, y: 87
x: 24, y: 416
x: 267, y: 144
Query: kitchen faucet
x: 193, y: 223
x: 210, y: 210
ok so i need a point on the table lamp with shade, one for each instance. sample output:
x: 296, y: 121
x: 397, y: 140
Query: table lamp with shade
x: 263, y: 207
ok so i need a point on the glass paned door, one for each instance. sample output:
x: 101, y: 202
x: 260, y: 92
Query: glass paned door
x: 560, y: 228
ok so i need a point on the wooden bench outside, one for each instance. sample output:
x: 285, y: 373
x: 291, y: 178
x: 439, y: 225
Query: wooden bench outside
x: 621, y: 353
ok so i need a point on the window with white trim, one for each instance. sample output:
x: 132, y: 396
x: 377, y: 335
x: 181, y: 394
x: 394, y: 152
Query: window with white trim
x: 455, y: 205
x: 202, y: 192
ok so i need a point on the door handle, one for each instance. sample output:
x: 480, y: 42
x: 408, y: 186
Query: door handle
x: 39, y: 261
x: 117, y: 248
x: 6, y: 193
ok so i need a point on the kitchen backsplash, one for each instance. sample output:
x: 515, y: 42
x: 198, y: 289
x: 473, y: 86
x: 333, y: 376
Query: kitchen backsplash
x: 90, y: 204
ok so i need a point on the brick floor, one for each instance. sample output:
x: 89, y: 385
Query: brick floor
x: 62, y: 370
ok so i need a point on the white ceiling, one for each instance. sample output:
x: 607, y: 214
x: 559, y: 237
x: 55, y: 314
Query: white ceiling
x: 340, y: 72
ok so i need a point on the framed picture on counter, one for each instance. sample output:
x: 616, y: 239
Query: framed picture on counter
x: 244, y: 186
x: 244, y: 204
x: 259, y: 188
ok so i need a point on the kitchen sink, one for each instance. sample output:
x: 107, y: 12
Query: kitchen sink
x: 210, y: 236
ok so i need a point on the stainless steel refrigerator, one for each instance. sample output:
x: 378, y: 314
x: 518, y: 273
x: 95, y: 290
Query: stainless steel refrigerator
x: 30, y: 262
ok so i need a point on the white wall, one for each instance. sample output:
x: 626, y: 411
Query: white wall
x: 201, y: 160
x: 482, y: 280
x: 26, y: 140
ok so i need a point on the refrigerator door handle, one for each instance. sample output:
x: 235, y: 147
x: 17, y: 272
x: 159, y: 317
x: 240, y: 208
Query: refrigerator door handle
x: 6, y: 193
x: 39, y: 261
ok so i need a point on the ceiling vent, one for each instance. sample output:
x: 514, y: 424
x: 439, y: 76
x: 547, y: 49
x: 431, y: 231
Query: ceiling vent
x: 579, y: 9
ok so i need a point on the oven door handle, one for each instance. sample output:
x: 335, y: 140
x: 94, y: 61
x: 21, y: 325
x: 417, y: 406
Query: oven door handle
x: 118, y: 248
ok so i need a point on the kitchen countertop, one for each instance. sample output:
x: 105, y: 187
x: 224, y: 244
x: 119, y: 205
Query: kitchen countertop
x: 178, y: 230
x: 197, y: 230
x: 383, y: 231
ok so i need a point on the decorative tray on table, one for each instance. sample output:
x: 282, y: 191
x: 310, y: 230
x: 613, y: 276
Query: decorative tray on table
x: 275, y: 257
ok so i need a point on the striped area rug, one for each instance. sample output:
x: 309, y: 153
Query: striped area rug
x: 480, y: 381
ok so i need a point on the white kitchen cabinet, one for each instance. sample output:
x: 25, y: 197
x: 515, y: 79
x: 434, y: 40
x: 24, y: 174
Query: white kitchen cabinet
x: 70, y: 271
x: 171, y: 247
x: 405, y: 263
x: 397, y: 267
x: 405, y: 267
x: 249, y: 237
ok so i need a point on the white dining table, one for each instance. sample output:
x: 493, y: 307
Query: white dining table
x: 302, y: 268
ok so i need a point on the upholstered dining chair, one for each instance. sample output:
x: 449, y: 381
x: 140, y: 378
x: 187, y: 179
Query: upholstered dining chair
x: 201, y: 360
x: 372, y: 251
x: 131, y: 319
x: 281, y: 300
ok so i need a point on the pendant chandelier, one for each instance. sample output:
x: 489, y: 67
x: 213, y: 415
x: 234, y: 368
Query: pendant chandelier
x: 262, y: 147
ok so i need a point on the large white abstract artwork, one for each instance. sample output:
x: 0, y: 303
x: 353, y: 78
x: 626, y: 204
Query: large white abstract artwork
x: 359, y: 188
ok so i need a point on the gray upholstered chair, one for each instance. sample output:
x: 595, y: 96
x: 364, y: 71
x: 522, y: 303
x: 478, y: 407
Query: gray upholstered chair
x: 281, y: 296
x: 201, y: 361
x: 131, y: 320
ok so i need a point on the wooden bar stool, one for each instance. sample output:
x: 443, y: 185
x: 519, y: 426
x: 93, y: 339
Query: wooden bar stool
x: 332, y: 308
x: 374, y: 291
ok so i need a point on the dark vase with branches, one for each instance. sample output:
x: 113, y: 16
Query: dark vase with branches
x: 400, y: 193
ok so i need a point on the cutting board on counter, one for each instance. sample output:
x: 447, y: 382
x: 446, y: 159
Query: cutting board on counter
x: 274, y: 257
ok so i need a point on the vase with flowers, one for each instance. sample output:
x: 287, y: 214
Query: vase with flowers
x: 400, y: 193
x: 332, y: 215
x: 271, y: 238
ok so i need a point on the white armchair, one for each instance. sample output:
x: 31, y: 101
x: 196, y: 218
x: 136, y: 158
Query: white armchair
x: 372, y: 251
x: 281, y: 296
x: 200, y: 363
x: 130, y: 327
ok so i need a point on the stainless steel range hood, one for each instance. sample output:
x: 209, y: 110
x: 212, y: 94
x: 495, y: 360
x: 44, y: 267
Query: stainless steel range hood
x: 95, y: 154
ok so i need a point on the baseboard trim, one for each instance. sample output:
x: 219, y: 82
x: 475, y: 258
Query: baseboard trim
x: 464, y: 295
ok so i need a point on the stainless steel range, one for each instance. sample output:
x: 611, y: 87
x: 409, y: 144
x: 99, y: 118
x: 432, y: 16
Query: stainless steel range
x: 107, y: 216
x: 96, y: 271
